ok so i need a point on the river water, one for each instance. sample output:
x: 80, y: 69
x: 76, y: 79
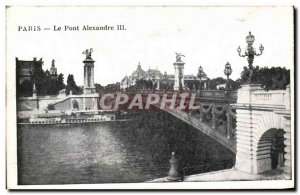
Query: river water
x: 111, y: 152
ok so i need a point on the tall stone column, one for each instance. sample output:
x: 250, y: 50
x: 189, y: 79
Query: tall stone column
x: 92, y: 83
x: 85, y: 76
x: 89, y: 78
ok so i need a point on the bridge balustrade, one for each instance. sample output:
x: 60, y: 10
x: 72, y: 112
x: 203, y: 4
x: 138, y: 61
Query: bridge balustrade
x: 277, y: 97
x: 221, y: 118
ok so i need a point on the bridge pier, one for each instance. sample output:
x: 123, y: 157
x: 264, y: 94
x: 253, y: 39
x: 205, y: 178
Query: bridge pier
x: 260, y: 115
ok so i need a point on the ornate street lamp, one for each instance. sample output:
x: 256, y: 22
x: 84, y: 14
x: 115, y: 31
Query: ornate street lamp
x: 227, y: 72
x: 250, y: 53
x: 200, y: 73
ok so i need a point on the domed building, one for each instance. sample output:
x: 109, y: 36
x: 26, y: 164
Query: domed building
x: 154, y: 74
x: 154, y: 79
x: 139, y: 74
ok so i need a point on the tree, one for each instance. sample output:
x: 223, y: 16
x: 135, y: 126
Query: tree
x: 235, y: 85
x: 270, y: 78
x: 60, y: 82
x: 216, y: 81
x: 112, y: 88
x: 39, y: 78
x: 71, y: 85
x: 25, y: 89
x: 98, y: 87
x: 44, y: 82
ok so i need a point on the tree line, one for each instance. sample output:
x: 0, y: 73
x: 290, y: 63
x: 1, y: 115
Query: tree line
x: 273, y: 78
x: 46, y: 84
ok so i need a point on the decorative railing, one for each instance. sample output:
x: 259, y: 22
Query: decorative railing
x: 277, y: 97
x: 221, y: 118
x: 219, y: 94
x: 222, y: 95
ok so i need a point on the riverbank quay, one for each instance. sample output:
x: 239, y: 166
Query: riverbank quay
x: 229, y: 175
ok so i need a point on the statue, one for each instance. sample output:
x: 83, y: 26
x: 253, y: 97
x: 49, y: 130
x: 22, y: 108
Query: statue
x: 178, y: 57
x: 53, y: 63
x: 88, y: 53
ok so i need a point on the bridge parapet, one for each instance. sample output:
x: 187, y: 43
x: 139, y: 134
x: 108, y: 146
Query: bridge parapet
x: 278, y: 97
x: 222, y: 94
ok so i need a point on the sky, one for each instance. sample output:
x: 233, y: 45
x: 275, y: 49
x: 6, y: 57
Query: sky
x: 207, y: 36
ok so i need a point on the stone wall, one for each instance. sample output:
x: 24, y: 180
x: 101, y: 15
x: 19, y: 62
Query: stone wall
x: 26, y: 104
x: 63, y: 105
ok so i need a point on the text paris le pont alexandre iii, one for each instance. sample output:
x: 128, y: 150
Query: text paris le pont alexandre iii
x: 119, y: 27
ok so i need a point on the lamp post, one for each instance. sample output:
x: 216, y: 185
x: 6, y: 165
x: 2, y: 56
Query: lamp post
x: 227, y: 72
x: 200, y: 73
x: 165, y: 81
x: 250, y: 53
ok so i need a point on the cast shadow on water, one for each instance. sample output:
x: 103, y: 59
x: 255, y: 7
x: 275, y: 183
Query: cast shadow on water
x: 111, y: 152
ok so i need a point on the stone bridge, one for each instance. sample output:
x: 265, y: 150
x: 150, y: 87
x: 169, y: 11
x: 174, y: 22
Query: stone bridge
x: 250, y: 122
x: 253, y: 123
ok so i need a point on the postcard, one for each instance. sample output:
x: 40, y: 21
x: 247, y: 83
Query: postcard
x: 150, y: 97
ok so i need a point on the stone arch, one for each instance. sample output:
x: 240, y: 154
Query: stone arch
x: 263, y: 121
x: 270, y: 150
x: 75, y: 105
x: 251, y: 126
x: 264, y: 124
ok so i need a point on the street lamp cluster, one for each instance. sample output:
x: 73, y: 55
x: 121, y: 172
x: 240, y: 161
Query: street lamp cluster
x: 250, y: 53
x: 227, y: 72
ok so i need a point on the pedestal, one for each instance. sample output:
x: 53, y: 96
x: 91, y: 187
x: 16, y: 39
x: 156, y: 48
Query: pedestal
x: 174, y: 174
x: 244, y: 93
x: 178, y: 66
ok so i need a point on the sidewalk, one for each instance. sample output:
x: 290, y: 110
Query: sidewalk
x: 231, y: 175
x: 225, y: 175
